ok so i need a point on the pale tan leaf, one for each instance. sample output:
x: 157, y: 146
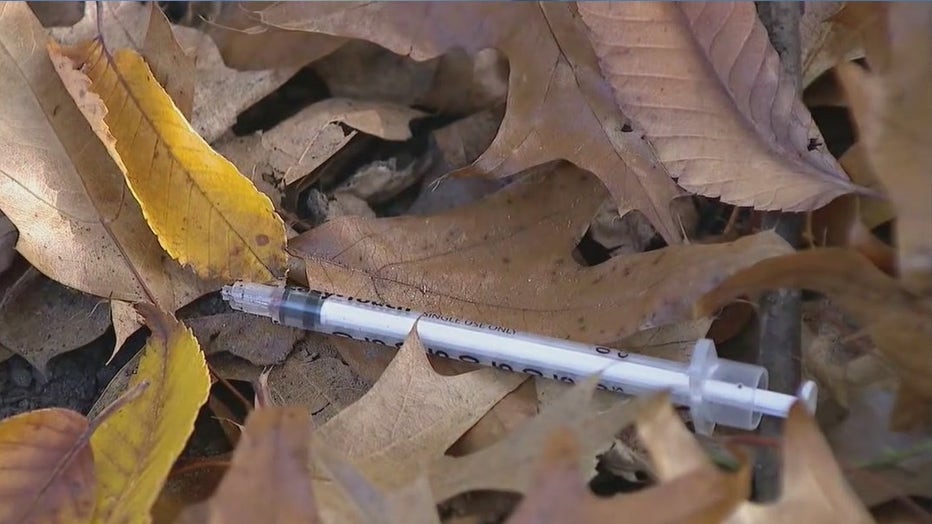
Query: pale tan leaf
x: 812, y: 490
x: 125, y: 322
x: 521, y: 240
x: 555, y: 88
x: 715, y: 103
x: 412, y: 415
x: 893, y: 110
x: 508, y: 464
x: 362, y: 501
x: 559, y: 494
x: 78, y: 223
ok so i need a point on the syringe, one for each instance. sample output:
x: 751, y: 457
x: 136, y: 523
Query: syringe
x: 717, y: 391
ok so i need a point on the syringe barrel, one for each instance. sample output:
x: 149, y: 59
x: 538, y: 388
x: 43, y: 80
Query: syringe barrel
x: 717, y: 391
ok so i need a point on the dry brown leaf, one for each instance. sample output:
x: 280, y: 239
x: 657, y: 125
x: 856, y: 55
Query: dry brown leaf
x: 455, y: 146
x: 245, y: 44
x: 78, y: 223
x: 187, y: 485
x: 507, y: 261
x: 312, y: 376
x: 268, y: 479
x: 670, y: 341
x: 362, y: 501
x: 41, y: 319
x: 835, y: 32
x: 170, y: 65
x: 559, y: 494
x: 221, y: 93
x: 300, y: 144
x: 893, y: 110
x: 711, y: 94
x: 812, y: 490
x: 412, y: 415
x: 899, y: 321
x: 508, y: 464
x: 251, y: 337
x: 57, y: 13
x: 558, y: 104
x: 125, y: 322
x: 54, y: 481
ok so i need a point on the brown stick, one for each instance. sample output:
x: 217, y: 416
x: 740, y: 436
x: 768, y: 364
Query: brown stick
x: 780, y: 311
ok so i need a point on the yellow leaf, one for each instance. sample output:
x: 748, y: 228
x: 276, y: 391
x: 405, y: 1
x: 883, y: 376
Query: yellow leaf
x: 48, y: 468
x: 77, y: 222
x: 135, y: 448
x: 204, y: 212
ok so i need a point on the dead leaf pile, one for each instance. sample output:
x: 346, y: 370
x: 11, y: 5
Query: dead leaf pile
x: 593, y: 172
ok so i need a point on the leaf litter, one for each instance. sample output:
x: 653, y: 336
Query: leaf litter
x: 448, y: 115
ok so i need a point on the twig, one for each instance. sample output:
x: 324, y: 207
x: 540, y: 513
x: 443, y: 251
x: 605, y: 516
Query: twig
x: 780, y: 311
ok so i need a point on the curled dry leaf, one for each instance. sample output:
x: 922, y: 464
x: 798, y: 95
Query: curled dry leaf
x: 269, y: 478
x: 41, y: 319
x: 300, y: 144
x: 899, y: 321
x: 715, y: 102
x: 54, y: 480
x: 507, y: 465
x: 228, y: 230
x: 135, y: 448
x: 412, y: 415
x: 506, y: 260
x: 78, y: 223
x: 893, y: 109
x: 559, y: 106
x: 559, y: 494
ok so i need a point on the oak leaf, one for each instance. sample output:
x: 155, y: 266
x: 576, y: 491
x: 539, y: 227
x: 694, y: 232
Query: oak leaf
x: 507, y: 465
x: 135, y: 448
x: 227, y: 229
x: 506, y: 260
x: 78, y: 223
x: 559, y: 493
x: 715, y: 102
x: 54, y: 468
x: 412, y: 415
x: 558, y: 107
x: 269, y: 478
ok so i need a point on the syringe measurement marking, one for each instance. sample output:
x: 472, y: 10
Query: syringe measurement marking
x: 473, y: 359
